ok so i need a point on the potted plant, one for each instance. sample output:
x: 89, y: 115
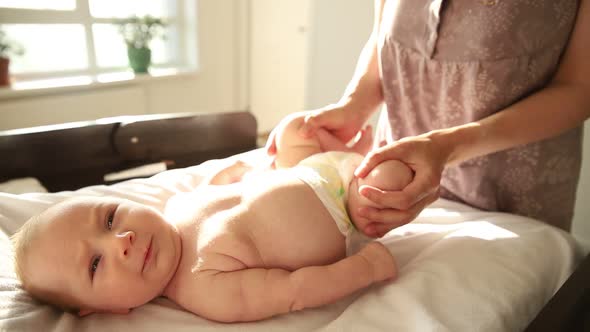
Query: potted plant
x: 8, y: 48
x: 138, y: 32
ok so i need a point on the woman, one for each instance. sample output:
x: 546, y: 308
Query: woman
x: 485, y: 102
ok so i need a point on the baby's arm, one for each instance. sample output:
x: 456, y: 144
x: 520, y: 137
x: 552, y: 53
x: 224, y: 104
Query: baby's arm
x: 258, y: 293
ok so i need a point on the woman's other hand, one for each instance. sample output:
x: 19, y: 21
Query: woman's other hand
x: 342, y: 122
x: 426, y: 159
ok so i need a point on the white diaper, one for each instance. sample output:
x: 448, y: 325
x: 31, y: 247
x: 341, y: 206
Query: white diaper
x: 329, y: 175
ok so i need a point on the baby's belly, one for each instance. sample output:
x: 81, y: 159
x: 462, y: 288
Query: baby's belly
x: 288, y: 225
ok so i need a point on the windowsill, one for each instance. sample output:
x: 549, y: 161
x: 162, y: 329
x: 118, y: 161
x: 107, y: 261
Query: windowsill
x: 88, y: 82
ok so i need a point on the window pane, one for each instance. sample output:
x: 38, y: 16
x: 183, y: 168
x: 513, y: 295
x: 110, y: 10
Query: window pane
x: 126, y: 8
x: 48, y: 47
x: 109, y: 46
x: 166, y: 50
x: 111, y: 50
x: 39, y: 4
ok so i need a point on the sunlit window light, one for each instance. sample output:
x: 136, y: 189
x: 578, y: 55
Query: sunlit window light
x: 45, y: 51
x: 91, y: 43
x: 121, y: 9
x: 483, y: 230
x: 39, y: 4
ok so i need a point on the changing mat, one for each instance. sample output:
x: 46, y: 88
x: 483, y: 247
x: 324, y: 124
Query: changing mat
x: 461, y: 269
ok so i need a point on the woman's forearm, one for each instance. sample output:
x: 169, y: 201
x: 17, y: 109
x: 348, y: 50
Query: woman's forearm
x: 545, y: 114
x: 562, y: 105
x: 364, y: 91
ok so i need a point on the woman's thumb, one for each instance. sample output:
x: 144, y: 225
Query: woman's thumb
x: 310, y: 125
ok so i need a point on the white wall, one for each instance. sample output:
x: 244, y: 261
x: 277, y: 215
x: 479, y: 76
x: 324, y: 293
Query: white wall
x: 219, y: 85
x: 339, y: 30
x: 303, y: 53
x: 279, y: 41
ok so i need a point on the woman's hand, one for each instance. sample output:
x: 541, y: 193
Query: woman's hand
x: 426, y: 159
x: 342, y: 122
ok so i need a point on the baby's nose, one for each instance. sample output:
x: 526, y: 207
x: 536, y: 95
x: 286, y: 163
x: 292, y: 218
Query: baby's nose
x: 125, y: 242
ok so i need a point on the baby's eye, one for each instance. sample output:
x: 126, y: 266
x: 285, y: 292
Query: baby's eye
x: 94, y: 265
x: 110, y: 218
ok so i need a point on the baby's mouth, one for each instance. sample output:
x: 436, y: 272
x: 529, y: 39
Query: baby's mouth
x: 147, y: 257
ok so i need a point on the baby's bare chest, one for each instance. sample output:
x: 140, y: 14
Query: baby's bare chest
x: 278, y: 223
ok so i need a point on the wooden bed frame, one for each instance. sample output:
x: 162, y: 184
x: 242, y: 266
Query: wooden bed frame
x: 569, y: 309
x: 80, y: 154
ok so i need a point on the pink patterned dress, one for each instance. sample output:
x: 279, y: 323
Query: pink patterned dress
x: 448, y: 62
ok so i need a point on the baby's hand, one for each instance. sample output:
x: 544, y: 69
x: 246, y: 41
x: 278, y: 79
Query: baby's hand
x: 381, y: 261
x: 230, y: 174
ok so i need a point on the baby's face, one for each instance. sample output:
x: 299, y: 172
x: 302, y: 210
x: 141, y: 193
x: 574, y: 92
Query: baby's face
x: 108, y: 254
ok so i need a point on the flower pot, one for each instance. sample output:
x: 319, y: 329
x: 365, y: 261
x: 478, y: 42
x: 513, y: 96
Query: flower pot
x: 4, y: 74
x: 139, y: 58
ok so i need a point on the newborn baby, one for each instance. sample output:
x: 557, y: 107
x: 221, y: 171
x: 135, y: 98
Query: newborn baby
x: 239, y: 248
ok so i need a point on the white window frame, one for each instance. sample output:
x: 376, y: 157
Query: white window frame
x: 81, y: 15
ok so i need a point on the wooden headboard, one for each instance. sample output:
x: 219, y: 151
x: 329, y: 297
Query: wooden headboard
x: 79, y: 154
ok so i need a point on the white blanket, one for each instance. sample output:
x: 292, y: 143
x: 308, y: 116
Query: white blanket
x: 460, y: 270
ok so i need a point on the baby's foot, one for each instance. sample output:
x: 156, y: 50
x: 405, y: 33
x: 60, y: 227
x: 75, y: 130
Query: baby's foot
x: 381, y: 261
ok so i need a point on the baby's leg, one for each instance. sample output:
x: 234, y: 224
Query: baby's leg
x: 390, y: 175
x: 292, y: 147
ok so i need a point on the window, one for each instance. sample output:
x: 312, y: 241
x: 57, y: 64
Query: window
x: 78, y: 37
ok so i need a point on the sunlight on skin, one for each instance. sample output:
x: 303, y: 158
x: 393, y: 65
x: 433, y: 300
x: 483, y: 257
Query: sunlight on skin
x: 39, y: 4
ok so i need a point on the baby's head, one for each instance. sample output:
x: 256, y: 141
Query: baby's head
x: 96, y: 254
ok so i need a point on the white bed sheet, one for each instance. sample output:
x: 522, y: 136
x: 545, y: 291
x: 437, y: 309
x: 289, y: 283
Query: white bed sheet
x: 461, y: 269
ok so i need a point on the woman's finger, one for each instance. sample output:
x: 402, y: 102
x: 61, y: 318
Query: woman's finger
x: 391, y: 217
x: 271, y: 145
x: 384, y: 220
x: 311, y: 123
x: 373, y: 159
x: 363, y: 141
x: 385, y: 226
x: 421, y: 186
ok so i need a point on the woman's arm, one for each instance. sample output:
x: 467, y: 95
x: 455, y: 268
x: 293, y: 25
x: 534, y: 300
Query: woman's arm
x: 362, y: 97
x: 563, y: 104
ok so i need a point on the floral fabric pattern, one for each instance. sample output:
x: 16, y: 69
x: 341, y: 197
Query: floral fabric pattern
x: 449, y: 62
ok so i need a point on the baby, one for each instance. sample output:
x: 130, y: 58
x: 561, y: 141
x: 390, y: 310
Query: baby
x: 242, y: 248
